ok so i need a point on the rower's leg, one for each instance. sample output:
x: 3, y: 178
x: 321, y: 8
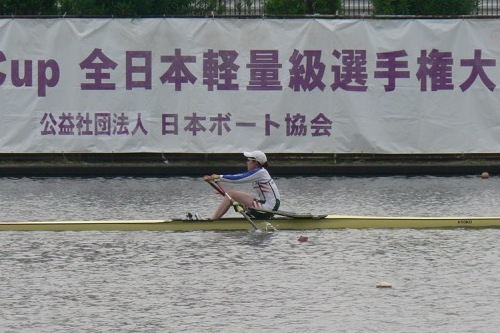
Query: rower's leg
x: 221, y: 209
x: 241, y: 197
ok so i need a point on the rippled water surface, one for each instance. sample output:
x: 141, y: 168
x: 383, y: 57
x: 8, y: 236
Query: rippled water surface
x: 443, y: 280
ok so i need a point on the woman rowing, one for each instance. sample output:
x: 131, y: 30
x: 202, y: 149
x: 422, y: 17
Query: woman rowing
x: 267, y: 191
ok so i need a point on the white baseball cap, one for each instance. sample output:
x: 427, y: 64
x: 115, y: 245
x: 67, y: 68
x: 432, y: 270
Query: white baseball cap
x: 257, y: 155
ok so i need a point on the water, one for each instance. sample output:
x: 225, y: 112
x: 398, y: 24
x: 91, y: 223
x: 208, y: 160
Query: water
x: 28, y: 199
x: 443, y: 280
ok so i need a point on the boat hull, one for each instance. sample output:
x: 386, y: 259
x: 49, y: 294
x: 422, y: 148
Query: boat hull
x: 240, y: 224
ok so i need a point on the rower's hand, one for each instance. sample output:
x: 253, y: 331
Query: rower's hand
x: 210, y: 178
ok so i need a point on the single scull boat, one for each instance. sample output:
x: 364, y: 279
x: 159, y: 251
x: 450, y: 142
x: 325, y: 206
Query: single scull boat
x: 301, y: 222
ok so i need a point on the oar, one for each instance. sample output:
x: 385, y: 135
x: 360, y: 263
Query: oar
x: 288, y: 214
x: 275, y: 212
x: 237, y: 206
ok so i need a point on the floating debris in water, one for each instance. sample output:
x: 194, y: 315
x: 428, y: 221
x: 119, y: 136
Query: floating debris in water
x: 303, y: 239
x: 384, y: 284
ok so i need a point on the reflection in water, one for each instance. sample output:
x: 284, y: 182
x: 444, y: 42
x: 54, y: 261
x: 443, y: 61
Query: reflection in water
x: 224, y: 282
x: 254, y: 239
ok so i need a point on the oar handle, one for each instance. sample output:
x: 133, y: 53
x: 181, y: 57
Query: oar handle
x: 217, y: 188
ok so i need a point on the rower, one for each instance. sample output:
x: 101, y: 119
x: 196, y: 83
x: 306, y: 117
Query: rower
x: 268, y: 196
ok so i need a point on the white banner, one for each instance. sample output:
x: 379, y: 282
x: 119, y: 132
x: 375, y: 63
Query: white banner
x: 227, y: 85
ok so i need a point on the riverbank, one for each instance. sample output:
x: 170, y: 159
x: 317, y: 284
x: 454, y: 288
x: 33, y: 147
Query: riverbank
x: 167, y: 165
